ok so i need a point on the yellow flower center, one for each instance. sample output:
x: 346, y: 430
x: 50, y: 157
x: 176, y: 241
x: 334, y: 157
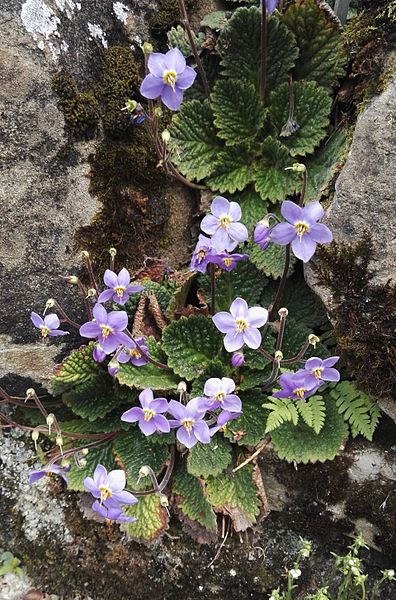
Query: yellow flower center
x: 170, y: 78
x: 300, y: 392
x: 106, y: 330
x: 188, y: 424
x: 119, y: 290
x: 227, y: 261
x: 134, y: 353
x: 301, y: 228
x: 148, y: 414
x: 241, y: 325
x: 44, y: 331
x: 105, y: 493
x: 317, y: 372
x: 219, y: 396
x: 201, y: 255
x: 225, y: 221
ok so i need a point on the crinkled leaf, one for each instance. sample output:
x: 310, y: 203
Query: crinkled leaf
x: 192, y: 504
x: 152, y: 519
x: 244, y: 281
x: 312, y: 111
x: 251, y: 424
x: 134, y: 450
x: 270, y: 261
x: 215, y: 20
x: 204, y: 460
x: 149, y: 375
x: 233, y: 169
x: 318, y: 33
x: 301, y: 444
x: 191, y: 344
x: 253, y: 206
x: 357, y: 408
x: 239, y: 46
x: 235, y: 494
x: 102, y: 455
x: 272, y: 180
x: 79, y: 367
x: 238, y: 111
x: 194, y: 143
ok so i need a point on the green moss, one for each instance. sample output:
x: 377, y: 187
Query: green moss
x: 80, y: 109
x: 364, y: 315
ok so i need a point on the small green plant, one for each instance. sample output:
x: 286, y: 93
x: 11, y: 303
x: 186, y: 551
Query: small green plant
x: 351, y: 583
x: 10, y: 564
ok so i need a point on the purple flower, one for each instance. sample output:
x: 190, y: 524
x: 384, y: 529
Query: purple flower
x: 112, y: 370
x: 219, y: 392
x: 241, y: 325
x: 224, y: 417
x: 149, y: 416
x: 319, y: 370
x: 228, y: 262
x: 223, y: 225
x: 119, y: 287
x: 203, y: 254
x: 98, y: 355
x: 169, y: 76
x: 296, y: 385
x: 48, y: 326
x: 107, y: 328
x: 262, y: 234
x: 109, y: 487
x: 302, y: 229
x: 189, y: 420
x: 270, y: 5
x: 133, y: 354
x: 51, y: 469
x: 237, y: 359
x: 111, y: 514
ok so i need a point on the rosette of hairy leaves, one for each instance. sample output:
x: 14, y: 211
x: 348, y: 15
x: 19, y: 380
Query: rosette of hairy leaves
x: 192, y: 505
x: 300, y: 443
x: 194, y: 143
x: 271, y: 179
x: 239, y: 47
x: 191, y: 344
x: 85, y: 385
x: 357, y: 408
x: 251, y: 424
x: 204, y: 460
x: 235, y: 494
x: 312, y: 110
x: 152, y: 519
x: 238, y: 111
x: 322, y: 55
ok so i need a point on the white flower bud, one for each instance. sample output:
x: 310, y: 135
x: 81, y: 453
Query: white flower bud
x: 147, y: 48
x: 182, y: 387
x: 85, y: 254
x: 166, y: 136
x: 83, y: 463
x: 313, y: 339
x: 72, y: 279
x: 278, y: 355
x: 30, y: 393
x: 112, y: 252
x: 283, y: 312
x: 295, y: 573
x: 164, y: 500
x: 50, y: 303
x: 84, y: 451
x: 144, y: 472
x: 50, y: 421
x: 91, y: 293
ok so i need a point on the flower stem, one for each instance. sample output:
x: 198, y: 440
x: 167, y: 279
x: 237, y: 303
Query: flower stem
x: 281, y: 286
x: 190, y: 35
x: 263, y: 51
x: 212, y: 289
x: 65, y: 317
x: 291, y: 361
x: 303, y: 188
x: 147, y: 356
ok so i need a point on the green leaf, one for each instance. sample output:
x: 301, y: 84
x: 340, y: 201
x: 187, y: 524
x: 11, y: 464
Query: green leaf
x: 133, y: 450
x: 238, y: 110
x: 251, y: 424
x: 239, y: 46
x: 318, y: 33
x: 312, y: 111
x: 102, y: 455
x: 325, y: 163
x: 79, y: 367
x: 232, y: 170
x: 301, y: 444
x: 270, y: 261
x: 192, y: 503
x: 194, y: 144
x: 235, y: 494
x: 191, y: 344
x: 148, y: 376
x: 244, y: 281
x: 152, y: 519
x: 281, y: 410
x: 253, y: 206
x: 204, y: 460
x: 313, y: 411
x: 272, y: 180
x: 215, y: 20
x: 357, y: 408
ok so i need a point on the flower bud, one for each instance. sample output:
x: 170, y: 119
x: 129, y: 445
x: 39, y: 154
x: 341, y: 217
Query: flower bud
x: 84, y: 451
x: 295, y: 573
x: 237, y: 359
x: 91, y: 293
x: 261, y: 234
x: 130, y: 106
x: 35, y: 437
x: 147, y: 48
x: 85, y: 254
x: 182, y: 387
x: 50, y: 303
x: 112, y: 252
x: 50, y: 421
x: 83, y: 463
x: 283, y: 312
x: 144, y: 472
x: 166, y: 136
x: 389, y: 574
x: 59, y: 440
x: 72, y: 279
x: 158, y: 112
x: 164, y: 500
x: 30, y: 393
x: 278, y: 356
x: 313, y: 340
x: 297, y: 168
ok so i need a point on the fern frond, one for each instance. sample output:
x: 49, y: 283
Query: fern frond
x: 357, y: 408
x: 313, y: 412
x: 281, y: 410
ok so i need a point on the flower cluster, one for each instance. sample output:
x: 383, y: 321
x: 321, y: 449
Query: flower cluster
x: 305, y: 382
